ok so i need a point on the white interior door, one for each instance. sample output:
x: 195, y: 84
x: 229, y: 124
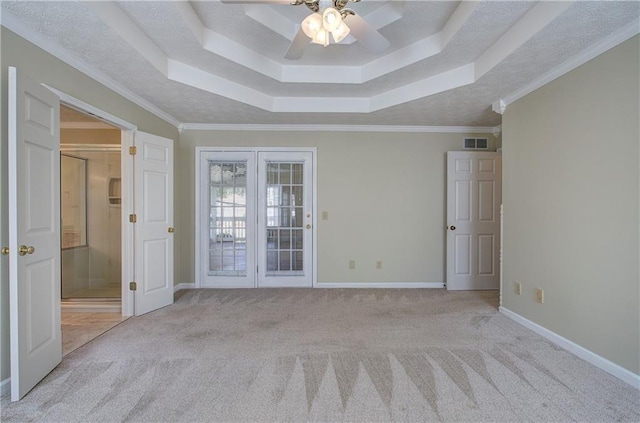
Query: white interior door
x: 227, y: 219
x: 153, y: 235
x: 474, y: 195
x: 285, y: 219
x: 34, y: 232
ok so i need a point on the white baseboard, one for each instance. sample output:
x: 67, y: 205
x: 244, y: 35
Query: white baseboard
x: 402, y: 285
x: 588, y: 356
x: 5, y: 387
x: 181, y: 286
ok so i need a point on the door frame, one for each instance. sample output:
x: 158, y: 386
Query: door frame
x: 126, y: 168
x: 474, y: 221
x: 199, y: 230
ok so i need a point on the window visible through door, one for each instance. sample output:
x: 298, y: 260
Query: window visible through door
x: 284, y: 210
x: 227, y: 218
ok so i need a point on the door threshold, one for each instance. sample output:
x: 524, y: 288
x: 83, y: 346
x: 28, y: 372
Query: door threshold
x: 89, y: 306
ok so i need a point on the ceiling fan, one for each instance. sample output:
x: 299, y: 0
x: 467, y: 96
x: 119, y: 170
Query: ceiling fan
x: 329, y: 20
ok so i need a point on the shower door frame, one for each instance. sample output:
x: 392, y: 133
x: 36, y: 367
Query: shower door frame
x: 92, y: 148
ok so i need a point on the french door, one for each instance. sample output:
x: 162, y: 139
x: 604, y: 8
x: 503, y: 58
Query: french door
x: 255, y: 224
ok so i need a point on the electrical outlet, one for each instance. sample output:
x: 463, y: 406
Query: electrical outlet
x: 352, y: 264
x: 518, y: 288
x: 540, y: 296
x: 379, y: 264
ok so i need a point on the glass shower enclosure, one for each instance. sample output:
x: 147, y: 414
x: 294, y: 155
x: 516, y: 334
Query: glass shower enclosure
x: 90, y: 181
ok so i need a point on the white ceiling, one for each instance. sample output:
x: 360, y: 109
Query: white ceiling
x: 210, y: 62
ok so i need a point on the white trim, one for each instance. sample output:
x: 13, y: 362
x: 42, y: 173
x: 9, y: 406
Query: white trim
x: 331, y: 285
x: 12, y: 23
x: 126, y: 208
x: 402, y: 285
x: 581, y: 352
x: 196, y: 240
x: 314, y: 223
x: 5, y: 387
x: 126, y: 173
x: 87, y: 108
x: 181, y: 286
x: 613, y: 40
x: 336, y: 128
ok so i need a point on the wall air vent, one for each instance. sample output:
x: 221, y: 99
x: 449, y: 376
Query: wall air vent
x: 475, y: 144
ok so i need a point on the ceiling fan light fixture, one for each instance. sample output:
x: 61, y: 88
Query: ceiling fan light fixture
x: 321, y: 37
x: 312, y: 24
x: 331, y: 19
x: 341, y: 32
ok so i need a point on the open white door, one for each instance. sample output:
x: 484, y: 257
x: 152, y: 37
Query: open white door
x: 34, y: 232
x: 153, y: 203
x: 474, y: 195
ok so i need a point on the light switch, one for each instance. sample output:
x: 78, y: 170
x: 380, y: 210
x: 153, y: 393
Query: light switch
x: 325, y: 215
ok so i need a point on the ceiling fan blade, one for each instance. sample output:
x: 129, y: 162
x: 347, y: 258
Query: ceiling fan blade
x: 256, y: 1
x: 297, y: 46
x: 366, y: 34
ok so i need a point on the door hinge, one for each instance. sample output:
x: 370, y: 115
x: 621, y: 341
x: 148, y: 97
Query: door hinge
x: 133, y: 150
x: 133, y: 218
x: 133, y: 286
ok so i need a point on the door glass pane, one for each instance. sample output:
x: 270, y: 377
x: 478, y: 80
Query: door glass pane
x: 272, y: 261
x: 227, y: 218
x: 284, y: 193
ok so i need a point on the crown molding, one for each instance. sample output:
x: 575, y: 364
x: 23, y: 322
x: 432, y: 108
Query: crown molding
x: 174, y: 70
x: 613, y: 40
x: 10, y: 22
x: 337, y: 128
x: 536, y: 18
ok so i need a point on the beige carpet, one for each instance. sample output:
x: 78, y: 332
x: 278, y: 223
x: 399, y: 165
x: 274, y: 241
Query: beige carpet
x: 325, y: 355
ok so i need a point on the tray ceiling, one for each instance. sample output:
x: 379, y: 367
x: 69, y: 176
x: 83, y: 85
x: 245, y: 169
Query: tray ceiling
x: 211, y: 62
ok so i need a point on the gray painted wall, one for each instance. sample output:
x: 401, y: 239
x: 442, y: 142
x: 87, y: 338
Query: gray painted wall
x: 571, y: 205
x: 385, y: 194
x: 43, y: 67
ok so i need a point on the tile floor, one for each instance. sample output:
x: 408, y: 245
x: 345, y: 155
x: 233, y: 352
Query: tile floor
x: 78, y: 328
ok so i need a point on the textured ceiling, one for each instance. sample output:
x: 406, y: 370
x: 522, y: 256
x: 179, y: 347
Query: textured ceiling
x: 211, y: 62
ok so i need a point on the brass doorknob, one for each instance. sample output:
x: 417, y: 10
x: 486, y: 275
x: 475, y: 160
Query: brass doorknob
x: 24, y: 250
x: 171, y: 230
x: 453, y: 228
x: 5, y: 251
x: 308, y: 226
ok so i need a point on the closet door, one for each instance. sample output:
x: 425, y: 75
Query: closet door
x: 474, y: 195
